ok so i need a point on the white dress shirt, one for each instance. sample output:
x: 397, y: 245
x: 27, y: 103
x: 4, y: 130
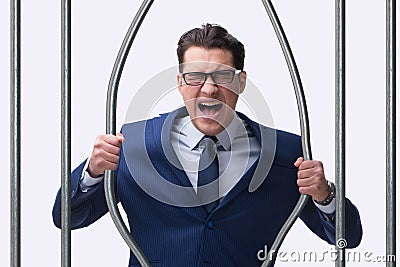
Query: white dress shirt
x: 238, y: 149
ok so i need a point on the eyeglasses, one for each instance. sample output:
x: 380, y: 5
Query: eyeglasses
x: 218, y: 77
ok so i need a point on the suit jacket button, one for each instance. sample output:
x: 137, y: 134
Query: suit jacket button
x: 210, y: 225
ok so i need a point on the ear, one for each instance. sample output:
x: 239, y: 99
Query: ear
x: 179, y: 80
x: 242, y: 81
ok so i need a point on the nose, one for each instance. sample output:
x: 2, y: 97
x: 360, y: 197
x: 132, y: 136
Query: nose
x: 209, y: 88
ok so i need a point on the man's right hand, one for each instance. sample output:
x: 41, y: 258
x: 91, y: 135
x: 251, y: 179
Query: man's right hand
x: 105, y: 155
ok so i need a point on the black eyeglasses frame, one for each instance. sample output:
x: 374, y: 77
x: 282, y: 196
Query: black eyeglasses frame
x: 212, y: 74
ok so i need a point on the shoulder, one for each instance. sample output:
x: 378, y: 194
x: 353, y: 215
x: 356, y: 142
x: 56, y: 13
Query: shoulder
x: 134, y: 127
x: 288, y: 146
x: 154, y: 125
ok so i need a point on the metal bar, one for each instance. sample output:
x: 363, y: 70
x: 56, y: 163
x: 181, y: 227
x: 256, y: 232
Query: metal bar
x: 111, y: 112
x: 390, y: 130
x: 340, y: 143
x: 304, y: 126
x: 15, y: 133
x: 66, y: 133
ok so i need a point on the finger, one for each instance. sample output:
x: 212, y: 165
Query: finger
x: 317, y: 179
x: 306, y: 182
x: 317, y: 175
x: 101, y: 145
x: 112, y: 140
x: 307, y: 190
x: 311, y: 164
x: 112, y: 149
x: 105, y: 165
x: 298, y: 161
x: 112, y: 158
x: 100, y: 156
x: 317, y: 191
x: 101, y: 161
x: 101, y: 148
x: 307, y: 173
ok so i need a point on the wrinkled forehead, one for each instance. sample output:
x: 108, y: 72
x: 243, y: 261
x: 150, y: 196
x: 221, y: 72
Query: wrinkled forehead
x: 203, y: 66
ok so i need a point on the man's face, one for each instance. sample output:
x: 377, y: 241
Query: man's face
x: 210, y: 105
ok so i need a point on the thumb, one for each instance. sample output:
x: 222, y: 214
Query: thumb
x: 298, y: 161
x: 120, y: 137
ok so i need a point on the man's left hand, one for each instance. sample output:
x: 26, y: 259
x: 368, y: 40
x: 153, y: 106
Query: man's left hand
x: 311, y: 179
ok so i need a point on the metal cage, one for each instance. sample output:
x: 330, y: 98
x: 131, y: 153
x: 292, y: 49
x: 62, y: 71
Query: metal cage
x: 15, y: 131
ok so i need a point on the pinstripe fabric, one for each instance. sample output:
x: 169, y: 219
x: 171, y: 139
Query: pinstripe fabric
x: 241, y: 225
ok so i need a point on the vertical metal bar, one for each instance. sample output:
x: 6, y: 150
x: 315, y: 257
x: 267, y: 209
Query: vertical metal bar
x: 340, y: 131
x: 66, y: 133
x: 390, y: 130
x: 15, y: 133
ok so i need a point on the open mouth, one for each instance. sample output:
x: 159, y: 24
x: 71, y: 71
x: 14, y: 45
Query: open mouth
x: 210, y: 108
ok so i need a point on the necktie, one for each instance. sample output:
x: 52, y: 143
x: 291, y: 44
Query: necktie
x: 208, y: 172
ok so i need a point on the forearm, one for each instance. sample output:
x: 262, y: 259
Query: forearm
x: 353, y: 228
x: 86, y: 207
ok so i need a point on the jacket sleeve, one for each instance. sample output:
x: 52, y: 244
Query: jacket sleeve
x: 290, y: 148
x: 324, y: 224
x: 86, y: 207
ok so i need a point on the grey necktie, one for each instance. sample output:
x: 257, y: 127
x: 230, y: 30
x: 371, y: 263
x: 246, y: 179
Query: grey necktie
x: 208, y: 173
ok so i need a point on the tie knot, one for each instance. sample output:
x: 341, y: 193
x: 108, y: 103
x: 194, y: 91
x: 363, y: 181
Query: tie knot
x: 208, y: 143
x: 214, y: 138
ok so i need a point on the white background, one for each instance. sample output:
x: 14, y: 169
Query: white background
x: 98, y: 30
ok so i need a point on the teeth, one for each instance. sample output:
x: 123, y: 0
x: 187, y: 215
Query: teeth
x: 209, y: 104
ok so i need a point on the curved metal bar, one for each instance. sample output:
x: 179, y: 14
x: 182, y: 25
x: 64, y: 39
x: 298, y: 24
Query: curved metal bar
x: 304, y: 126
x: 111, y: 129
x: 111, y: 125
x: 15, y: 133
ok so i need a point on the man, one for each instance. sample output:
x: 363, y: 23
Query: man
x: 183, y: 177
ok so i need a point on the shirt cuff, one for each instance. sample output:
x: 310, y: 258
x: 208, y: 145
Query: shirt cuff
x: 328, y: 209
x: 86, y: 181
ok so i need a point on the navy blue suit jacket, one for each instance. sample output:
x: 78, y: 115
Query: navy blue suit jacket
x: 242, y: 224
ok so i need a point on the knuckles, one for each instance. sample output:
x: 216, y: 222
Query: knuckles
x: 102, y: 159
x: 100, y: 165
x: 99, y: 142
x: 316, y: 186
x: 308, y: 164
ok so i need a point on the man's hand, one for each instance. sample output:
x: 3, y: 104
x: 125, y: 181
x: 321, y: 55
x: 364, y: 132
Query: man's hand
x: 105, y: 155
x: 311, y: 179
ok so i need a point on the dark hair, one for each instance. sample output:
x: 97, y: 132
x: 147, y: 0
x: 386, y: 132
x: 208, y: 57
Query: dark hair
x: 212, y: 36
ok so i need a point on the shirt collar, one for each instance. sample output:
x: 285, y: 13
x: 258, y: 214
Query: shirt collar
x: 193, y: 135
x: 235, y: 129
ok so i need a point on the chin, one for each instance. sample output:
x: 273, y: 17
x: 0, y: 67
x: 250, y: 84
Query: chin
x: 208, y: 126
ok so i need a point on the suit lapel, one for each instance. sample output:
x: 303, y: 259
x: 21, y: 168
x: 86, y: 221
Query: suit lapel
x: 161, y: 137
x: 258, y: 172
x: 158, y: 135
